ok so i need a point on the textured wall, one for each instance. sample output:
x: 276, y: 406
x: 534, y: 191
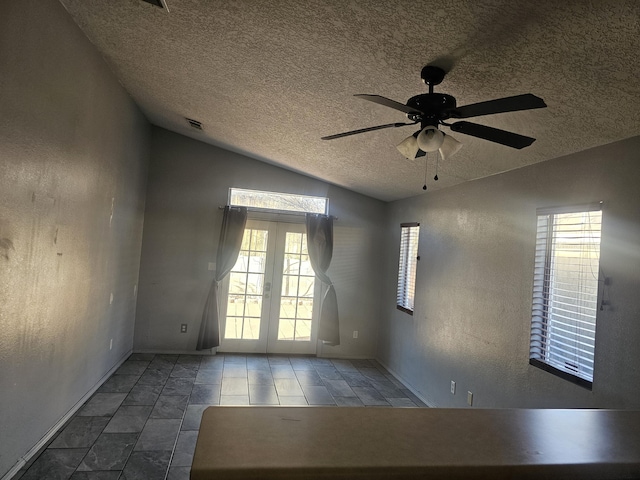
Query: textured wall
x: 70, y: 141
x: 474, y: 285
x: 188, y: 180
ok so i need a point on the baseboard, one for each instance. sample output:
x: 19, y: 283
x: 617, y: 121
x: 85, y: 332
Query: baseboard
x: 413, y: 390
x: 176, y: 352
x: 44, y: 441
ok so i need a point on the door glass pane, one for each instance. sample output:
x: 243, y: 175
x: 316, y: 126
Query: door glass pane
x: 296, y: 301
x: 246, y: 287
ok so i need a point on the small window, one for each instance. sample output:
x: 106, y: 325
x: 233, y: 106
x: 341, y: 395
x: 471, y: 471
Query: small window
x: 565, y: 292
x: 278, y: 202
x: 407, y: 266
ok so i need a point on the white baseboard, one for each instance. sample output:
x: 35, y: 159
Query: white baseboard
x: 413, y: 390
x: 60, y: 423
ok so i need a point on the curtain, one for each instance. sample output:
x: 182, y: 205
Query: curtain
x: 320, y: 246
x: 233, y: 223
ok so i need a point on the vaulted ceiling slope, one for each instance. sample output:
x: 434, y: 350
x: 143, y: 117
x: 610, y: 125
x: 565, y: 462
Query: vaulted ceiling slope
x: 268, y: 78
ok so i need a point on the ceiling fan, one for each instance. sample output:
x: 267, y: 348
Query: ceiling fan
x: 431, y: 110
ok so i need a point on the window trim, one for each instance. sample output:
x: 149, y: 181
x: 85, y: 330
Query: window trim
x: 536, y: 358
x: 403, y: 284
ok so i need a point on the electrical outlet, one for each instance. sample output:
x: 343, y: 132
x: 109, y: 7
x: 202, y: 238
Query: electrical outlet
x: 212, y: 266
x: 355, y: 334
x: 453, y: 387
x: 183, y: 328
x: 110, y: 344
x: 469, y: 398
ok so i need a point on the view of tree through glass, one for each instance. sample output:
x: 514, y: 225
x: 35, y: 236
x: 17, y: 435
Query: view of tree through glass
x: 246, y: 287
x: 296, y: 301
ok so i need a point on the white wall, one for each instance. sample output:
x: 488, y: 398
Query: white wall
x: 474, y: 285
x: 188, y: 181
x: 70, y: 141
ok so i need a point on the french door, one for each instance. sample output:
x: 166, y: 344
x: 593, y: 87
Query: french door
x: 271, y: 293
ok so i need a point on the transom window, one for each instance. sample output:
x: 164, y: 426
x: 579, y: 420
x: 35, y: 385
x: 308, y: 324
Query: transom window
x: 407, y: 266
x: 278, y: 202
x: 565, y: 292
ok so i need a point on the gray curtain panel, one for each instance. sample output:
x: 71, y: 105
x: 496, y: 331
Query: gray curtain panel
x: 320, y: 246
x: 233, y: 223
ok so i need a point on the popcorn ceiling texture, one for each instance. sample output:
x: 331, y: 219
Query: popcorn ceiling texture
x: 269, y: 78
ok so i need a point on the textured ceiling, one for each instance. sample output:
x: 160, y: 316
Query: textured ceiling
x: 269, y: 78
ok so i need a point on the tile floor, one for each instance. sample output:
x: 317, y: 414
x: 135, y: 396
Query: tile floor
x: 142, y: 423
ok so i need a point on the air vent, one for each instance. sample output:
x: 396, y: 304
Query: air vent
x: 158, y: 3
x: 194, y: 123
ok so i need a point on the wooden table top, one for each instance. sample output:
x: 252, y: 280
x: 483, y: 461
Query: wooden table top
x: 410, y: 443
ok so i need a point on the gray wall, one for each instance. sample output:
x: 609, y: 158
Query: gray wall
x: 188, y: 180
x: 70, y: 141
x: 474, y: 285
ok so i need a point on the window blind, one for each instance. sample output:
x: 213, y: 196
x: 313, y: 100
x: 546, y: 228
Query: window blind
x: 565, y: 291
x: 407, y: 266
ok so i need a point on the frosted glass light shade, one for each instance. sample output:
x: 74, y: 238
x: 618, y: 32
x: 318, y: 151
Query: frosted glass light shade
x: 409, y: 147
x: 430, y: 139
x: 449, y: 147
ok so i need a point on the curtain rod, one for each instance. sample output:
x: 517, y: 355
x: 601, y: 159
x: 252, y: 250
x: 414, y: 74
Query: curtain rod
x: 275, y: 212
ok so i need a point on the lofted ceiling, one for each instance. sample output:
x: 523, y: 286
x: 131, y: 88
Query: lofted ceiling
x: 269, y: 78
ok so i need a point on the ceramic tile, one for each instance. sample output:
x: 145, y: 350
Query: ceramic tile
x: 184, y: 371
x: 205, y: 395
x: 129, y: 419
x: 183, y: 454
x: 349, y: 401
x: 119, y: 384
x: 401, y: 402
x: 308, y: 377
x: 263, y: 395
x: 329, y: 373
x: 234, y: 400
x: 102, y: 405
x: 317, y: 395
x: 235, y: 386
x: 192, y: 417
x: 370, y: 396
x: 55, y: 464
x: 282, y: 371
x: 209, y: 377
x: 158, y: 434
x: 339, y: 388
x: 131, y: 367
x: 179, y: 473
x: 80, y: 432
x: 260, y: 377
x: 288, y: 387
x: 232, y: 370
x: 143, y: 395
x: 147, y: 465
x: 98, y: 475
x: 178, y: 386
x: 110, y: 452
x: 170, y: 406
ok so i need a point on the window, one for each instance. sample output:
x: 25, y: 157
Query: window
x: 407, y: 266
x: 282, y: 202
x: 565, y: 292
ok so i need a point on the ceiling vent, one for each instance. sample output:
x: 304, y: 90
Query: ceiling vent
x: 194, y: 123
x: 158, y: 3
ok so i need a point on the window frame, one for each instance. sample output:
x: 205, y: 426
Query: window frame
x: 407, y: 267
x: 543, y: 283
x: 290, y: 211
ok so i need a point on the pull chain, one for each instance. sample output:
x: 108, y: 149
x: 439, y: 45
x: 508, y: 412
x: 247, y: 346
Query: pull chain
x: 426, y: 164
x: 437, y: 164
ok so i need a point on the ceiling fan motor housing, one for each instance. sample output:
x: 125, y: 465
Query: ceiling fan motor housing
x: 436, y: 107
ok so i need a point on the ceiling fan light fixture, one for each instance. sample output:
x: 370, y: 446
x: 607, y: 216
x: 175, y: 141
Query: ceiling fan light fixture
x: 430, y: 139
x: 449, y: 147
x: 409, y: 147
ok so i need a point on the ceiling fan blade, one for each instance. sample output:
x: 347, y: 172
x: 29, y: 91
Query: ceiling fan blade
x: 503, y: 137
x: 387, y: 102
x: 527, y: 101
x: 368, y: 129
